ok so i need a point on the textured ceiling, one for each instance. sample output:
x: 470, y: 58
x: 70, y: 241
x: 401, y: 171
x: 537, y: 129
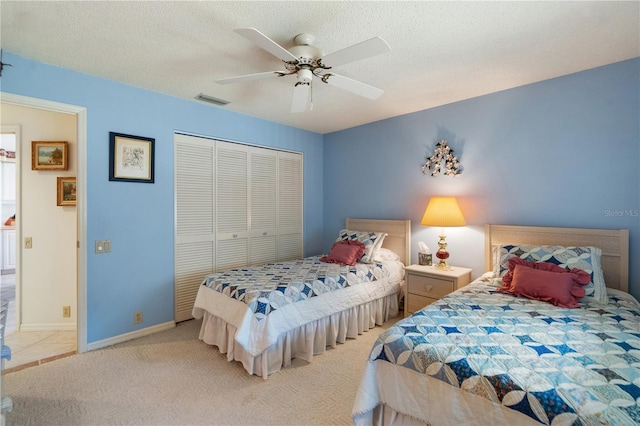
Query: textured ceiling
x: 442, y: 52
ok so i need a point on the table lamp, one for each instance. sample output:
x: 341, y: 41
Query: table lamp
x: 443, y: 212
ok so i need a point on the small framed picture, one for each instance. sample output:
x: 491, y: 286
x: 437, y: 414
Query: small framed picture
x: 66, y: 191
x: 131, y: 158
x: 49, y: 155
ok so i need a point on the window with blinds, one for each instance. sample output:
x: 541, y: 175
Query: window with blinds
x: 235, y: 205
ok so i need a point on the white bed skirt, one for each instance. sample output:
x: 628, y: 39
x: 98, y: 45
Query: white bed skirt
x: 302, y: 342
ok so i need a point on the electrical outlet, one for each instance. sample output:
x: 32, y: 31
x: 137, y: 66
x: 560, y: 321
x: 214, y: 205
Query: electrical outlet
x: 137, y: 317
x: 28, y: 242
x: 66, y: 311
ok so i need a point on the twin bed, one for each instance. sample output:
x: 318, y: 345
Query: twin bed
x: 480, y: 356
x: 477, y: 356
x: 264, y: 330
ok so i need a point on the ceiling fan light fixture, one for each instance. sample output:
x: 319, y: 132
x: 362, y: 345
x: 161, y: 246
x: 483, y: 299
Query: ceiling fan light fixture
x: 210, y: 99
x: 305, y: 76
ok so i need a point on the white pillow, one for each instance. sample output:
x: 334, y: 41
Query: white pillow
x: 386, y: 255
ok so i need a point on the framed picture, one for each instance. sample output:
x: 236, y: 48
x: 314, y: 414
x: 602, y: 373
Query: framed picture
x: 130, y: 158
x: 66, y: 191
x: 49, y: 155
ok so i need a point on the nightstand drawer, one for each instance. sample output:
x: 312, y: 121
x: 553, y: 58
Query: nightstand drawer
x: 434, y: 288
x: 415, y: 303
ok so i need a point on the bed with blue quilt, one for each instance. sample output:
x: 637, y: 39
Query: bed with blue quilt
x: 266, y: 315
x: 486, y: 355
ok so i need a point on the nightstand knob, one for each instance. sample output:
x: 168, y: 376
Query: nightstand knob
x: 428, y: 287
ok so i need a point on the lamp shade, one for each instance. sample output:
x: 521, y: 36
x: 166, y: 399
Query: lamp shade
x: 443, y: 212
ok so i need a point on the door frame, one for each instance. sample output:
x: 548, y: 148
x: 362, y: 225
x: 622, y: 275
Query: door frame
x: 81, y: 202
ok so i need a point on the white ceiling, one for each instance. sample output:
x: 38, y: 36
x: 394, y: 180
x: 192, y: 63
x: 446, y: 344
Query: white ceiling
x: 442, y: 52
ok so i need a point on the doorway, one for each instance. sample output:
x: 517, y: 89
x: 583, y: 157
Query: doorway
x: 77, y: 233
x: 27, y: 347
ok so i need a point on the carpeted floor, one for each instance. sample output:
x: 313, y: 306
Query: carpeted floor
x: 172, y: 378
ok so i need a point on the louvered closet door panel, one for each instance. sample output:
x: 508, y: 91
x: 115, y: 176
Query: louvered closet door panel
x: 263, y: 249
x: 264, y: 180
x: 232, y: 253
x: 289, y: 206
x: 194, y: 261
x: 289, y: 246
x: 263, y: 190
x: 194, y: 189
x: 231, y: 189
x: 195, y: 220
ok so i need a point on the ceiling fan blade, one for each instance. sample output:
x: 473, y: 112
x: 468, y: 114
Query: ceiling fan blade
x: 266, y: 43
x: 353, y: 86
x: 366, y: 49
x: 300, y: 99
x: 249, y: 77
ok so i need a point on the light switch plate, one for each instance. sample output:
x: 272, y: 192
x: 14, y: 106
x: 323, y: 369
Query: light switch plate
x: 103, y: 246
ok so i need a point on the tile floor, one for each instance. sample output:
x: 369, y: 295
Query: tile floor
x: 30, y: 348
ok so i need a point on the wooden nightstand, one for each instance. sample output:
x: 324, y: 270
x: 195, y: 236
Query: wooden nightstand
x: 426, y: 284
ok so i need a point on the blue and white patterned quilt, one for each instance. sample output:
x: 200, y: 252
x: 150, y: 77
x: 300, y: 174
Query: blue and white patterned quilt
x: 271, y: 286
x: 553, y: 365
x: 264, y: 301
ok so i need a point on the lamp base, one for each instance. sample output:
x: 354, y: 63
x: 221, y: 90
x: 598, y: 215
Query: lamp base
x: 442, y: 253
x: 442, y: 265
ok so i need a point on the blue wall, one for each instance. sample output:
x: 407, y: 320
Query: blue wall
x: 139, y: 218
x: 562, y: 152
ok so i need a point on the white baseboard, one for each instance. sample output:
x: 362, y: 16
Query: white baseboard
x: 63, y: 326
x: 129, y: 336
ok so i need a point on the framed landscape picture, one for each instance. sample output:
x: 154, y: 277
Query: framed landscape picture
x: 66, y: 191
x: 131, y: 158
x: 49, y: 155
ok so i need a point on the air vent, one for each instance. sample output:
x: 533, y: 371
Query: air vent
x: 210, y: 99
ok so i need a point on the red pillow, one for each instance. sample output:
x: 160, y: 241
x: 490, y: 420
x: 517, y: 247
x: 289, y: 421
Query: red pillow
x: 554, y: 287
x: 345, y: 252
x: 582, y: 277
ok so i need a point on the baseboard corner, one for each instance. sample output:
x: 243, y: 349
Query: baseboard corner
x: 130, y: 336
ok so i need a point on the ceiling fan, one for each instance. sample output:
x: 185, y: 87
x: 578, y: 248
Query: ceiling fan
x: 306, y: 61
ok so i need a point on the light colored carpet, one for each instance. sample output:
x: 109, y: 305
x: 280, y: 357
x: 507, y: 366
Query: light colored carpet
x: 172, y: 378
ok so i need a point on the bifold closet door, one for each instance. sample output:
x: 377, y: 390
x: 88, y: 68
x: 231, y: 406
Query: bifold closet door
x: 263, y: 199
x: 232, y: 205
x: 195, y: 242
x: 236, y: 205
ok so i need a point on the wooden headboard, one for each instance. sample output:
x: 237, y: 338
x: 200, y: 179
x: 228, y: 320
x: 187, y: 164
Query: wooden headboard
x: 614, y: 244
x: 398, y: 237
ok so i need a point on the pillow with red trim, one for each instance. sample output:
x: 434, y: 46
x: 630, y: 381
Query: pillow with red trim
x: 546, y: 282
x: 345, y: 252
